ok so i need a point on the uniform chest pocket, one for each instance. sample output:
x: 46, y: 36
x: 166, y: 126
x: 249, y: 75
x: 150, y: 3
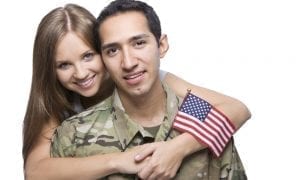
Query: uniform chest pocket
x: 97, y: 144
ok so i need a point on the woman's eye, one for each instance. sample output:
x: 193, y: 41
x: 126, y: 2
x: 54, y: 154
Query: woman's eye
x: 88, y: 56
x: 63, y: 66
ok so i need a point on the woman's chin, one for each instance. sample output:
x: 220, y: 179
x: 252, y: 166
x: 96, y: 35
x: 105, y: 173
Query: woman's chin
x: 88, y: 94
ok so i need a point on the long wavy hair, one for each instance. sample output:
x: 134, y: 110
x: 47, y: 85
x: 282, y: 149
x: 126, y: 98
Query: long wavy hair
x: 48, y: 98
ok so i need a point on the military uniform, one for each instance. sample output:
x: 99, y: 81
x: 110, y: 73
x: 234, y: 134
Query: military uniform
x: 106, y: 128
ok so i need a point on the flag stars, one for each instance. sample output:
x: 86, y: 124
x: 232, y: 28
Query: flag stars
x: 196, y: 107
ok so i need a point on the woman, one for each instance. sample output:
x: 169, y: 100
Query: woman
x: 68, y: 76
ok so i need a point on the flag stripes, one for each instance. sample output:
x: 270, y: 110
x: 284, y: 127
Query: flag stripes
x: 204, y: 122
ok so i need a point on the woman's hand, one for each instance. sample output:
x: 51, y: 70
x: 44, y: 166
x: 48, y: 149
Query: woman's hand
x: 164, y: 162
x: 125, y: 162
x: 166, y: 156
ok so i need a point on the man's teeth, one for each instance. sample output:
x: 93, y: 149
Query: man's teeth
x: 133, y: 76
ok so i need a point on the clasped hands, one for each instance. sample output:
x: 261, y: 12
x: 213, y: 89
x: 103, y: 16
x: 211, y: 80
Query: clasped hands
x: 158, y: 160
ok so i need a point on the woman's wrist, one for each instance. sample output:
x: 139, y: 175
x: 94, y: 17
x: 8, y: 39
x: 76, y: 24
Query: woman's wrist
x: 187, y: 144
x: 112, y: 163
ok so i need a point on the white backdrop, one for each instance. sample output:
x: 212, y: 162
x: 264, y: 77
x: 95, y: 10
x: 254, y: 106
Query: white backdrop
x: 245, y: 49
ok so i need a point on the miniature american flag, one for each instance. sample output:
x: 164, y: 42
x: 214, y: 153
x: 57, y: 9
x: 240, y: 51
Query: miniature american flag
x: 204, y: 122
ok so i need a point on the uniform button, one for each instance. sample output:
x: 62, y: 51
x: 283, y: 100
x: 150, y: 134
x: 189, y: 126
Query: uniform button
x: 205, y: 173
x: 199, y: 175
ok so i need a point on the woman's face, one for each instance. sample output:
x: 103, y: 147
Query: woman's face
x: 79, y: 68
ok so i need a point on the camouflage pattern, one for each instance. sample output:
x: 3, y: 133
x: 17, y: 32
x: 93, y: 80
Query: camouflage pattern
x: 106, y: 128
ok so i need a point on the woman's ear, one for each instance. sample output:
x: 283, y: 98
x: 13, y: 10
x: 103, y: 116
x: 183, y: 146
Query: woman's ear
x: 163, y: 45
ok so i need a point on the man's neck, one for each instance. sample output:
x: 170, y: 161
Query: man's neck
x: 147, y: 110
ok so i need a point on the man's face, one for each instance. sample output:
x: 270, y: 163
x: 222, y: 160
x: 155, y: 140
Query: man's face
x: 131, y: 53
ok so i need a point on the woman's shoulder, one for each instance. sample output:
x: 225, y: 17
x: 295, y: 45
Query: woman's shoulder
x: 162, y: 74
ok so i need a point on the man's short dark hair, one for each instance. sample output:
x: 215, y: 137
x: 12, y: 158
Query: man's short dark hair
x: 121, y: 6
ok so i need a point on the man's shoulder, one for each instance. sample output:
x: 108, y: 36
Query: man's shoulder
x: 99, y: 112
x: 102, y: 107
x: 86, y: 120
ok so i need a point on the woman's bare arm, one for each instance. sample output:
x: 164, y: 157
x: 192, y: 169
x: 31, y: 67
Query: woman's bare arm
x: 40, y: 165
x: 235, y: 110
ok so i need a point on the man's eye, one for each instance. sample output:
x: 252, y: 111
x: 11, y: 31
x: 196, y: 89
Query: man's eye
x: 112, y: 51
x: 63, y: 66
x: 140, y: 43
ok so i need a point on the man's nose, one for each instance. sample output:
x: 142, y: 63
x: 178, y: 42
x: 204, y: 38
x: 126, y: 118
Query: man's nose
x: 129, y: 61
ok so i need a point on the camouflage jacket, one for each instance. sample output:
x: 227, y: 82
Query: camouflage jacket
x: 106, y: 128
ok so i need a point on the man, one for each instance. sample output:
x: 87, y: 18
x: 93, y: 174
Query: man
x: 141, y: 108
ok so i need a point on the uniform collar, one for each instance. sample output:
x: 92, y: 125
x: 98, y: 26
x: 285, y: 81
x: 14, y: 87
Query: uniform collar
x: 126, y: 128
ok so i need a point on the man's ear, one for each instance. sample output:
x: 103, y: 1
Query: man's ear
x: 163, y: 45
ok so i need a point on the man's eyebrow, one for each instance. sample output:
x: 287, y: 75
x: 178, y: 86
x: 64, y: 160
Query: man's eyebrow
x: 109, y: 45
x: 140, y: 36
x: 134, y: 38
